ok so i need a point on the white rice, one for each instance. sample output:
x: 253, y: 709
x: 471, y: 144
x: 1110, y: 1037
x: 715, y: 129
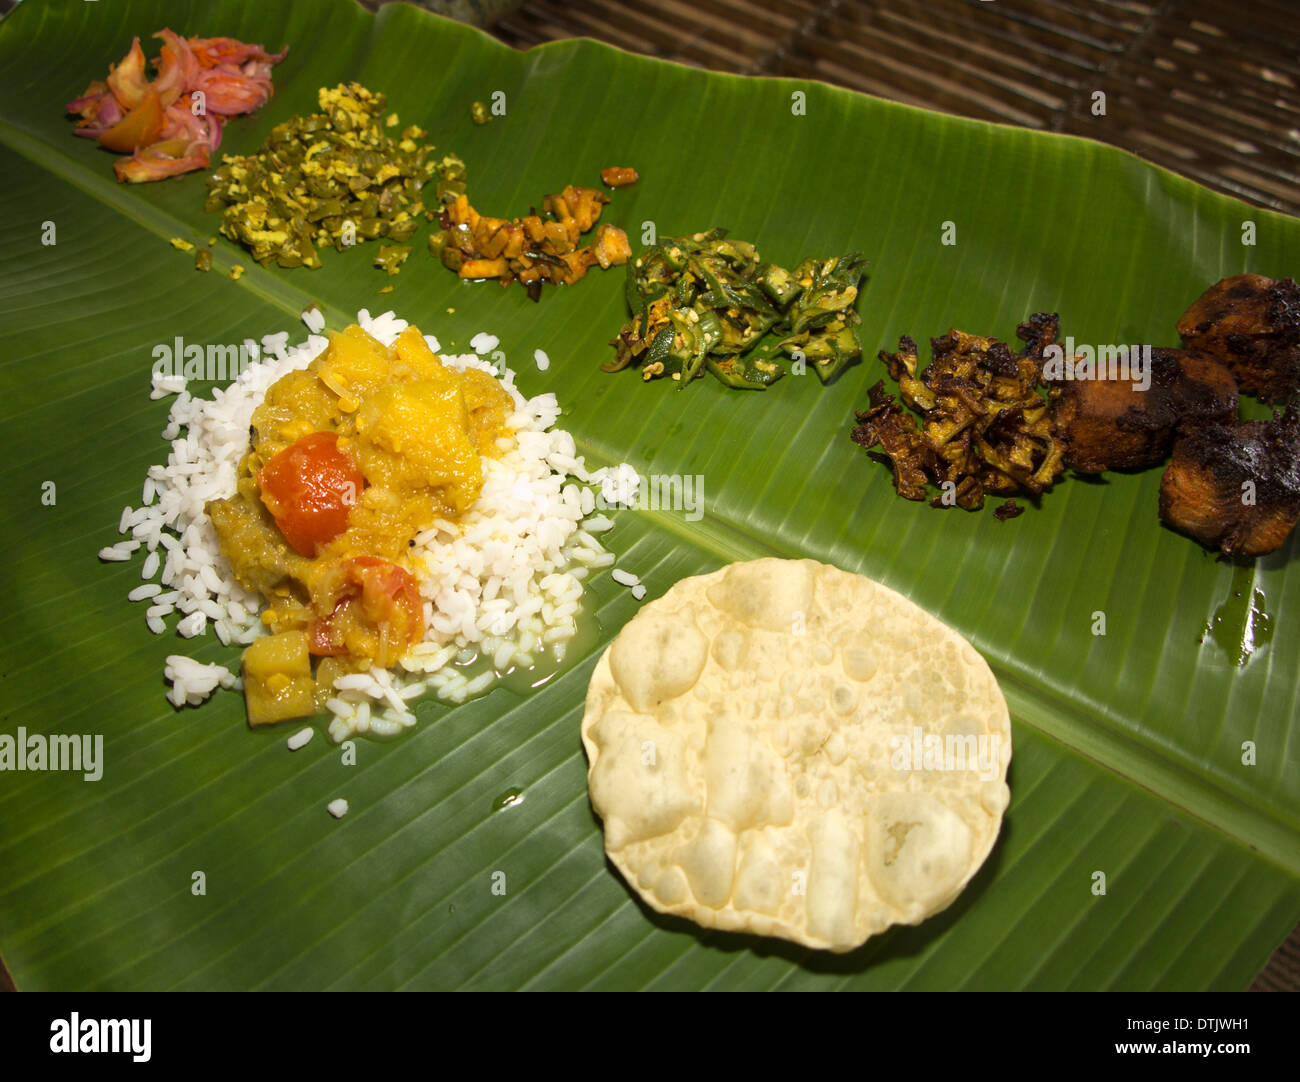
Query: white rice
x: 337, y: 808
x: 119, y: 552
x: 501, y: 587
x: 192, y: 681
x: 543, y: 361
x: 300, y: 738
x: 619, y: 485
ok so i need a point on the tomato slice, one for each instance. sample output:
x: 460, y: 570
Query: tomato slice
x: 379, y: 597
x: 323, y: 637
x: 309, y: 488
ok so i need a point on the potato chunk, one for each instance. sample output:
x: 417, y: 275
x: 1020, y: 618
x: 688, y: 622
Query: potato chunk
x: 277, y: 679
x: 415, y: 436
x: 355, y: 364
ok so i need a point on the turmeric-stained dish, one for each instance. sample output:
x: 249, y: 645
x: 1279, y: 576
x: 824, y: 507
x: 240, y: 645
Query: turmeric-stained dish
x: 172, y: 123
x: 349, y: 459
x: 346, y: 174
x: 373, y: 522
x: 533, y: 250
x: 618, y: 177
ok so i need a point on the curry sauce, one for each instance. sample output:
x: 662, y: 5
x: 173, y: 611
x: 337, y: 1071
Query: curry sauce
x: 349, y: 459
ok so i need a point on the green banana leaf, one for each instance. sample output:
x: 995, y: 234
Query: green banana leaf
x: 1128, y: 757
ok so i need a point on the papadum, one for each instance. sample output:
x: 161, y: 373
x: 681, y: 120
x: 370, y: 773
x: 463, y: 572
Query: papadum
x: 787, y: 749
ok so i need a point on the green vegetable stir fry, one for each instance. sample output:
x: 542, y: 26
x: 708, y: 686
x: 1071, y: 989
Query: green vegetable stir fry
x: 333, y: 177
x: 705, y: 302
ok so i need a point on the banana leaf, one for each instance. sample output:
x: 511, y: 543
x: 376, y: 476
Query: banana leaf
x: 1147, y: 753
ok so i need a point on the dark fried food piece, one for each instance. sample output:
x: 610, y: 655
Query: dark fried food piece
x: 1251, y: 324
x: 985, y: 428
x: 1111, y: 424
x: 1038, y: 332
x: 902, y: 446
x: 1236, y: 487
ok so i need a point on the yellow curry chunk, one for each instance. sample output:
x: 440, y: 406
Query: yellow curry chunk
x: 354, y: 365
x: 277, y: 679
x: 412, y: 437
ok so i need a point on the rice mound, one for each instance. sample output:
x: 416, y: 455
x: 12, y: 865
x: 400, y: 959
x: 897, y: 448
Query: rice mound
x: 501, y: 586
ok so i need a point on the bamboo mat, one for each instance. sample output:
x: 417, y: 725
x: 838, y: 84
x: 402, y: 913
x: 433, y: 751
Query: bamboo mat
x: 1207, y: 88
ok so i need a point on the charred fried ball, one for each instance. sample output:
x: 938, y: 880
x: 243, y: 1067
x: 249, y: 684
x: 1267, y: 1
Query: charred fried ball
x: 1235, y: 487
x: 1251, y: 324
x: 1113, y: 424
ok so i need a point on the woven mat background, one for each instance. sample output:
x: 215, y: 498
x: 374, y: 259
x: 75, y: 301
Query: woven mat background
x: 1207, y: 88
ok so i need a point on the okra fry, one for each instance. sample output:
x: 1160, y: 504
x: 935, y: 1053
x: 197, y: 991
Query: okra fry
x: 734, y: 315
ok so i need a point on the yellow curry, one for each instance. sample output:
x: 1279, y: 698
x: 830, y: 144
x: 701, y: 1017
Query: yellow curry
x: 349, y: 459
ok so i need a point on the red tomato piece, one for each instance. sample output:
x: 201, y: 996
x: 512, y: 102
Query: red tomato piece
x: 379, y: 594
x: 323, y: 639
x: 310, y: 487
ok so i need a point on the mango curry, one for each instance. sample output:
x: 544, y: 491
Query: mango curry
x: 348, y: 460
